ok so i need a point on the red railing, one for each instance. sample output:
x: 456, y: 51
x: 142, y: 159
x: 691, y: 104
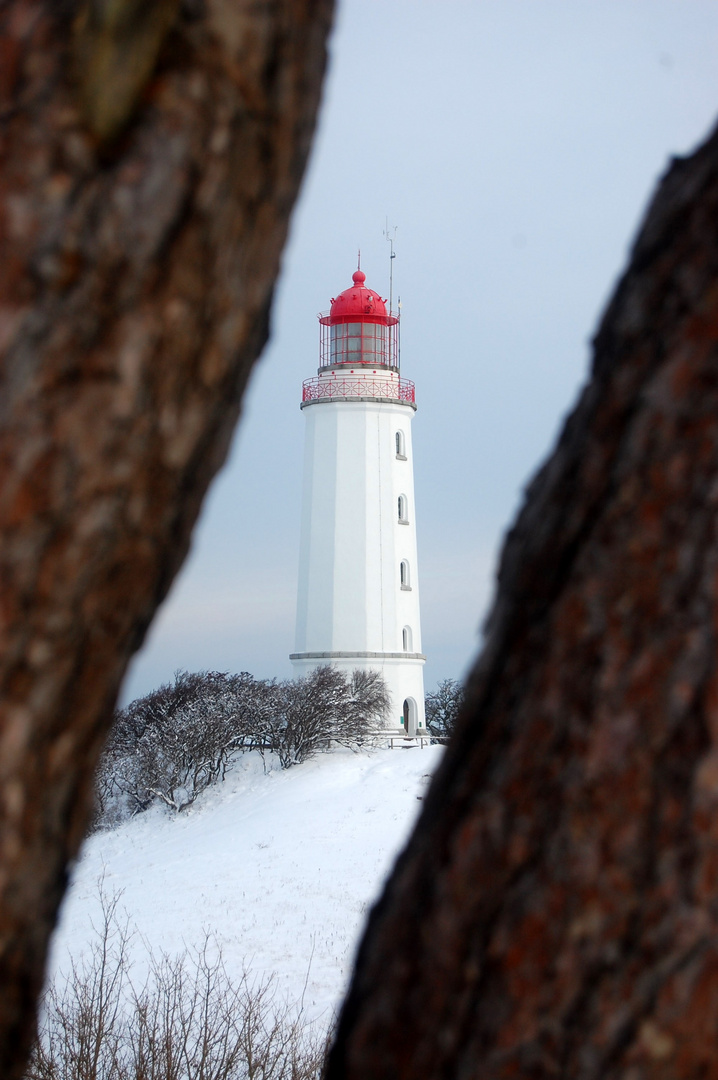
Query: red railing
x: 327, y: 388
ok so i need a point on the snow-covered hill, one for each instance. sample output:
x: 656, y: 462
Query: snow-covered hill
x: 280, y: 868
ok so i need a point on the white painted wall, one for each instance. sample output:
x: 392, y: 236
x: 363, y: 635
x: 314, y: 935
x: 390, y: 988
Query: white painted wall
x: 351, y: 608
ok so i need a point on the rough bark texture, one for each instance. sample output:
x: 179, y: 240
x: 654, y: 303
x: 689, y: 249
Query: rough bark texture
x: 150, y: 154
x: 556, y: 911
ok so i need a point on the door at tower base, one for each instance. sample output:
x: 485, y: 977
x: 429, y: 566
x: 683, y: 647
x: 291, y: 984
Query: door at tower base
x: 358, y: 587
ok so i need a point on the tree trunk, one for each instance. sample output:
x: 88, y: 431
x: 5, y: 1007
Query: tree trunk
x: 150, y: 155
x: 556, y: 911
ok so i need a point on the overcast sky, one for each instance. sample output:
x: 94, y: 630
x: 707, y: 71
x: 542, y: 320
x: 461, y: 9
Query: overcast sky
x: 513, y: 144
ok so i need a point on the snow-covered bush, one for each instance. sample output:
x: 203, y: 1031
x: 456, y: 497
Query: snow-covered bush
x: 175, y: 742
x: 442, y: 707
x: 324, y: 709
x: 172, y: 744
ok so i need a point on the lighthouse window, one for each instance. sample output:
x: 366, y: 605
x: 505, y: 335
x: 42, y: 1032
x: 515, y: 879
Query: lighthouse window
x: 354, y: 336
x: 404, y: 574
x: 346, y: 343
x: 400, y: 449
x: 406, y: 639
x: 403, y: 510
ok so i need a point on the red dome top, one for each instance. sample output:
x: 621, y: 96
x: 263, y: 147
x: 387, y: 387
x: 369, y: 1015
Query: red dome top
x: 357, y: 300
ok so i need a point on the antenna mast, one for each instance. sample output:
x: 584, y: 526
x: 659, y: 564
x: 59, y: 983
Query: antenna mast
x: 392, y: 256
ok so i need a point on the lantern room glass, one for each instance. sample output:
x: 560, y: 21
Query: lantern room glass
x: 362, y: 343
x: 359, y: 343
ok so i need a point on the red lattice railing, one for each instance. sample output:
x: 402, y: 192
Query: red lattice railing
x: 321, y: 389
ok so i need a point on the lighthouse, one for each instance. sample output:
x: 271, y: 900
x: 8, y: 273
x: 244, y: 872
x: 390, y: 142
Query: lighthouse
x: 358, y: 589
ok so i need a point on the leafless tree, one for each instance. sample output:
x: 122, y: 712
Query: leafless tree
x: 301, y: 724
x: 325, y: 709
x: 443, y: 706
x: 554, y: 914
x: 170, y: 745
x: 365, y: 709
x: 150, y: 155
x: 175, y: 742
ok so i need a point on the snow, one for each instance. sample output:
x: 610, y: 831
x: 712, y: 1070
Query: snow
x: 279, y: 868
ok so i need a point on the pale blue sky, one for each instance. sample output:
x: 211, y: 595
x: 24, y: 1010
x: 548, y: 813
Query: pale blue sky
x: 514, y: 145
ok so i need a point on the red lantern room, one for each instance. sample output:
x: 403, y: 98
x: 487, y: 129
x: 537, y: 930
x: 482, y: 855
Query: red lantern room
x: 358, y: 330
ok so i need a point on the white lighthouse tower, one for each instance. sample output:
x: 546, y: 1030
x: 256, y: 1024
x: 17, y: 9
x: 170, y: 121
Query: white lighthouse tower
x: 358, y: 596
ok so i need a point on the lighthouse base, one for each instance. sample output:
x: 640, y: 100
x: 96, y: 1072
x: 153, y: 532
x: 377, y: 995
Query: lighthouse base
x: 402, y: 672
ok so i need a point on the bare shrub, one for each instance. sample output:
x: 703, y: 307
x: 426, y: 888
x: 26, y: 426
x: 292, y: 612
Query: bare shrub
x: 187, y: 1021
x: 367, y: 706
x: 443, y: 706
x: 324, y: 709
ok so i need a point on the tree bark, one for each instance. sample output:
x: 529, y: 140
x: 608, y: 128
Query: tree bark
x: 555, y: 913
x: 150, y: 155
